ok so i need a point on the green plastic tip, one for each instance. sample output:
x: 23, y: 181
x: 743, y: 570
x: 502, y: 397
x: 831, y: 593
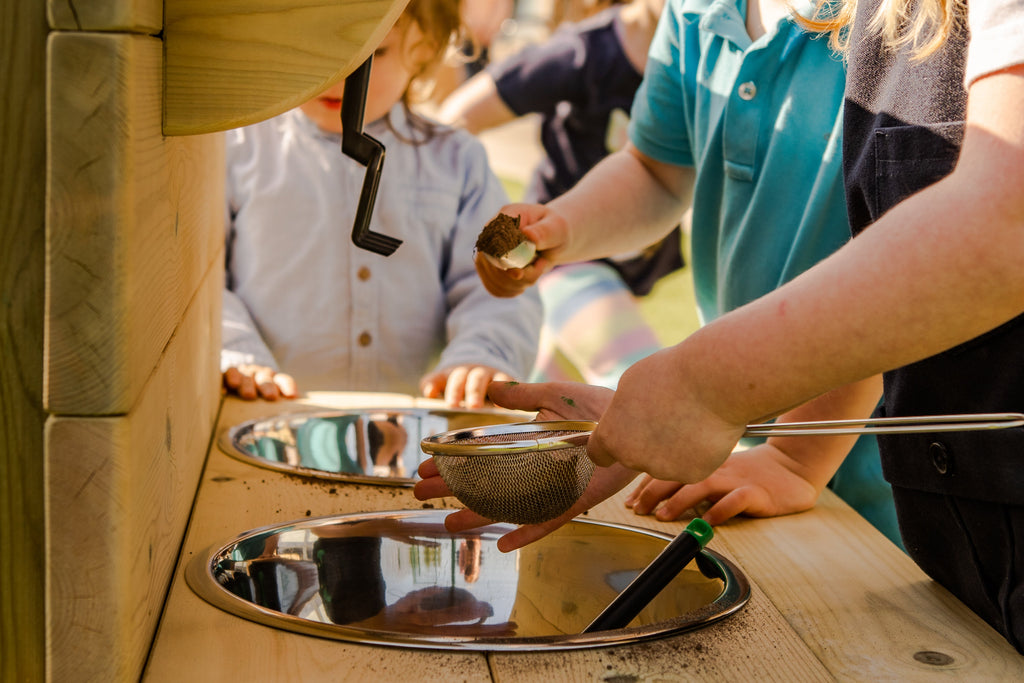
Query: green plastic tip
x: 700, y: 530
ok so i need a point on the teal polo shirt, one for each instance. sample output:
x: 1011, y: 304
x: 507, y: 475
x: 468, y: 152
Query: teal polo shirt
x: 761, y: 123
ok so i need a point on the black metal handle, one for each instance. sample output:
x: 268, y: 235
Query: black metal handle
x: 648, y: 583
x: 367, y: 151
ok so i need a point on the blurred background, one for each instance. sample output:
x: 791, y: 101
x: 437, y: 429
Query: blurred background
x: 514, y: 148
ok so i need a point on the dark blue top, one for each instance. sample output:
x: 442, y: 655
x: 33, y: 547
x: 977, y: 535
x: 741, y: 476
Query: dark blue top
x: 574, y: 80
x: 582, y: 85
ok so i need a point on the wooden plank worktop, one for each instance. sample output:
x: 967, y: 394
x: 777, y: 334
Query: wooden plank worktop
x: 832, y: 599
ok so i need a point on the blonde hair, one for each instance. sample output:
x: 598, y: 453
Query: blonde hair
x: 441, y: 26
x: 921, y: 25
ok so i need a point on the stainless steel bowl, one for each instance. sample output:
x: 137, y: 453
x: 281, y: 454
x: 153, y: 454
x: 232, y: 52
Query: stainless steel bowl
x: 400, y: 579
x: 364, y: 445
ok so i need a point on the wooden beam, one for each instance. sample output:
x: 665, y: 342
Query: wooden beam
x: 236, y: 62
x: 119, y: 491
x: 22, y: 247
x: 134, y: 220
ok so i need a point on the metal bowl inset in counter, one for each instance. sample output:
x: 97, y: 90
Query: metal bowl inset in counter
x: 364, y: 445
x: 400, y: 579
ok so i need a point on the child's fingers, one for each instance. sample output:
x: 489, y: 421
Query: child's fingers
x: 654, y: 491
x: 263, y: 378
x: 429, y: 488
x: 240, y: 383
x: 432, y: 385
x: 476, y: 386
x: 232, y: 378
x: 286, y: 385
x: 455, y: 386
x: 504, y: 284
x: 427, y: 469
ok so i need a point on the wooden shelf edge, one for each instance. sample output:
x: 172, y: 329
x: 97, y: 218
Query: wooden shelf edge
x: 232, y: 64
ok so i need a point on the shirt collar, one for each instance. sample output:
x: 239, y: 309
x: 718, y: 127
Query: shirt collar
x: 726, y: 18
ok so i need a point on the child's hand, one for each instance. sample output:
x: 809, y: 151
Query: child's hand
x: 659, y: 423
x: 759, y: 482
x: 511, y: 282
x: 551, y: 401
x: 461, y: 385
x: 258, y: 381
x: 547, y: 230
x: 605, y: 482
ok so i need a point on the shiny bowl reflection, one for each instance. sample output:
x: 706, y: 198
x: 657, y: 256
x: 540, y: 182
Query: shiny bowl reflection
x: 400, y: 579
x: 364, y: 445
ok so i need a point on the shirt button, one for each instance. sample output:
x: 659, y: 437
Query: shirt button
x: 747, y: 90
x: 363, y: 274
x: 940, y: 458
x: 365, y: 338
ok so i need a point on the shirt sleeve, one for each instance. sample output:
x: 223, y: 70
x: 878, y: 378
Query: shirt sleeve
x: 538, y: 77
x: 657, y: 125
x: 482, y: 329
x: 997, y: 37
x: 241, y: 343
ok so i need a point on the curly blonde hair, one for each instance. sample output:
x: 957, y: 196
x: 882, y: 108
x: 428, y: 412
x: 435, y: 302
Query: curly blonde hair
x: 921, y: 25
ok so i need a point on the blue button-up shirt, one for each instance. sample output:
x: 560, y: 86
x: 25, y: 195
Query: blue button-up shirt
x: 341, y: 318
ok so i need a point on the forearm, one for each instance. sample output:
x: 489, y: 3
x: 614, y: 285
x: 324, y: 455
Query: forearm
x: 817, y: 458
x: 476, y: 106
x: 626, y: 202
x: 241, y: 343
x: 938, y: 269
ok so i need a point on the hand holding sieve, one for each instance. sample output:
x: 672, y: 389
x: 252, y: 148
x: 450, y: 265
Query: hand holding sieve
x: 532, y: 472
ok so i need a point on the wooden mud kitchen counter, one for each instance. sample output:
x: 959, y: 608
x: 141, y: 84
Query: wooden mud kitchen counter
x: 111, y: 477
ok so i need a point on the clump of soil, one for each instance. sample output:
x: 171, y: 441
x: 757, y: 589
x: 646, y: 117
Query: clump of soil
x: 500, y: 236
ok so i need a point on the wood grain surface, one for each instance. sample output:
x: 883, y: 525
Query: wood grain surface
x: 119, y: 494
x: 134, y: 219
x: 22, y: 277
x: 236, y: 62
x: 122, y: 16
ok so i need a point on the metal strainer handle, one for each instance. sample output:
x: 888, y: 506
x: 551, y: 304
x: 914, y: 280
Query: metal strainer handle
x: 890, y: 425
x: 546, y: 436
x: 531, y: 472
x: 516, y: 438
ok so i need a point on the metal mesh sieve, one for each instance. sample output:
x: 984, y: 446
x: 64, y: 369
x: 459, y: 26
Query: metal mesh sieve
x: 522, y: 473
x: 530, y: 472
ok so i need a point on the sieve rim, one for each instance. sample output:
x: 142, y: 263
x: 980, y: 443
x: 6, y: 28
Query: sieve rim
x: 454, y: 442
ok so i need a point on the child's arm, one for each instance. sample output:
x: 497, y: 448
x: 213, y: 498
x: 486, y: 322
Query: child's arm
x: 486, y: 337
x: 476, y: 105
x: 625, y: 203
x: 781, y: 476
x: 247, y: 365
x: 936, y: 270
x: 533, y: 80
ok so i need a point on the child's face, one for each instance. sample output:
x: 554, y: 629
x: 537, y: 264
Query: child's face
x: 392, y: 70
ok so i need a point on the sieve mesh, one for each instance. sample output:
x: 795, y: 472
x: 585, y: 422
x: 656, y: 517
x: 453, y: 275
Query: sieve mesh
x: 526, y: 483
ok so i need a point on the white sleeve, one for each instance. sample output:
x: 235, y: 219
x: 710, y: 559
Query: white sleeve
x: 997, y: 37
x: 502, y: 333
x: 241, y: 343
